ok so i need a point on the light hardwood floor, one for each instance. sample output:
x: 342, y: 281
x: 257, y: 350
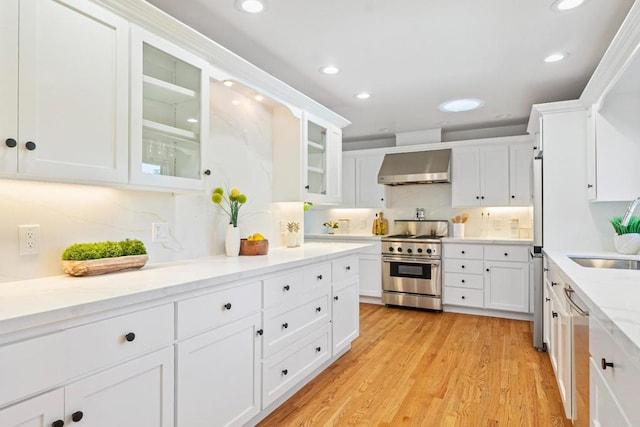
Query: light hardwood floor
x: 418, y: 368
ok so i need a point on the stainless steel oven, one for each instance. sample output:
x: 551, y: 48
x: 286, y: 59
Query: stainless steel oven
x: 411, y: 269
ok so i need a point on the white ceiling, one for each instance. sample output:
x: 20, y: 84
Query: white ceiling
x: 411, y: 55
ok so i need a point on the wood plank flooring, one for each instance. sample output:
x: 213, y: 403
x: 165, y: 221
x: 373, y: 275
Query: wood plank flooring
x: 418, y: 368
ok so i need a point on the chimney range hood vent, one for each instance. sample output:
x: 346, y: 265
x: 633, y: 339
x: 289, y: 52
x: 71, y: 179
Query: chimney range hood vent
x: 419, y: 167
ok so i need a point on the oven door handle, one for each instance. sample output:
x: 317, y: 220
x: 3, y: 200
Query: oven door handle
x: 411, y: 260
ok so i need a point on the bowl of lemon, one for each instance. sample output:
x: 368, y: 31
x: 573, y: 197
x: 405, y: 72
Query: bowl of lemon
x: 256, y: 244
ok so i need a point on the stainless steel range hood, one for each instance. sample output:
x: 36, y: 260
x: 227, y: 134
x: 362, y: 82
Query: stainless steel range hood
x: 420, y: 167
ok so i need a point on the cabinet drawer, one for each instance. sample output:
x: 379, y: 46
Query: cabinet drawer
x: 117, y: 339
x: 462, y: 296
x: 464, y: 251
x: 468, y: 266
x: 283, y: 325
x: 472, y: 281
x: 506, y: 253
x: 623, y: 378
x: 317, y: 275
x: 345, y: 268
x: 283, y: 371
x: 204, y: 312
x: 284, y: 288
x: 30, y: 366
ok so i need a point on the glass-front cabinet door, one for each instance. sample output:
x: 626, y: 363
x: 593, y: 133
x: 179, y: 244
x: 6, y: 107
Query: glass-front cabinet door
x: 316, y: 158
x: 323, y: 161
x: 169, y: 114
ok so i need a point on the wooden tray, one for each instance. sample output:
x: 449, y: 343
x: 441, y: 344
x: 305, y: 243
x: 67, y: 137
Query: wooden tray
x: 254, y: 247
x: 94, y: 267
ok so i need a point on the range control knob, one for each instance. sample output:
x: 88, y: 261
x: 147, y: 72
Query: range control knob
x: 409, y: 251
x: 419, y: 250
x: 399, y: 249
x: 429, y: 251
x: 390, y: 248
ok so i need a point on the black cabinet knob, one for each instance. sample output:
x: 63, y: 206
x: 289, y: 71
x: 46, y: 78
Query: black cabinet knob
x: 487, y: 269
x: 477, y: 197
x: 30, y: 145
x: 228, y: 306
x: 462, y: 280
x: 382, y: 199
x: 57, y: 423
x: 285, y: 325
x: 259, y: 332
x: 348, y: 268
x: 306, y: 187
x: 554, y: 314
x: 554, y: 283
x: 285, y: 371
x: 286, y: 287
x: 207, y: 172
x: 605, y: 364
x: 318, y: 349
x: 318, y: 309
x: 77, y: 416
x: 319, y: 276
x: 11, y: 143
x: 463, y: 297
x: 462, y: 252
x: 513, y: 197
x: 336, y: 298
x: 130, y: 336
x: 589, y: 185
x: 462, y: 266
x: 482, y: 197
x: 506, y: 254
x: 547, y: 299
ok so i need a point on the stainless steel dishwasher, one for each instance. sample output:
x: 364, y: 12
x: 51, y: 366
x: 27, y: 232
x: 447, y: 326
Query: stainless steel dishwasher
x: 579, y: 358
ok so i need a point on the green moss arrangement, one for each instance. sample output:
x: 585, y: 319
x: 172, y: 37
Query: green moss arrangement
x: 632, y: 227
x: 97, y: 250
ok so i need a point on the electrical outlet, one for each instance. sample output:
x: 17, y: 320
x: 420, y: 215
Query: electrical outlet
x: 29, y: 238
x: 159, y: 232
x: 497, y: 224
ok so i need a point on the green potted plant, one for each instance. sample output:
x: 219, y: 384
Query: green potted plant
x: 627, y: 238
x: 331, y: 226
x: 88, y: 259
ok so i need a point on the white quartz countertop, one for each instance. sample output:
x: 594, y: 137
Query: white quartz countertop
x: 488, y: 240
x: 354, y: 237
x: 613, y: 295
x: 36, y: 302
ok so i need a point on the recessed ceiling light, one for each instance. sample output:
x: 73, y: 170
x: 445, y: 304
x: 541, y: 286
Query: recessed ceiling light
x: 235, y: 102
x: 363, y: 95
x: 555, y: 57
x: 192, y: 120
x: 503, y: 116
x: 442, y: 123
x: 562, y: 5
x: 384, y: 130
x: 228, y: 83
x: 329, y: 69
x: 251, y: 6
x: 460, y: 105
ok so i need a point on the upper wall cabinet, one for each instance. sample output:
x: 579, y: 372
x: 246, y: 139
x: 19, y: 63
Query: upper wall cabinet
x: 64, y: 97
x: 360, y: 188
x: 480, y: 176
x: 521, y: 174
x: 169, y: 113
x: 307, y: 159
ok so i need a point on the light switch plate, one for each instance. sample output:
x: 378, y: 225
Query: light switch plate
x: 160, y: 232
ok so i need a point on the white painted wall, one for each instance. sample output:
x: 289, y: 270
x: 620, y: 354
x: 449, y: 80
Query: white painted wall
x: 239, y: 155
x: 571, y: 222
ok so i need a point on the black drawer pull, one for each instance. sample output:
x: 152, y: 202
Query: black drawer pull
x: 207, y: 172
x: 285, y: 371
x: 286, y: 287
x: 227, y: 306
x: 547, y: 299
x: 554, y: 283
x: 463, y: 266
x: 605, y: 364
x: 285, y: 325
x: 506, y: 254
x: 463, y: 297
x: 336, y: 298
x: 30, y: 145
x: 77, y: 416
x: 318, y: 349
x: 259, y: 332
x: 319, y: 276
x: 11, y: 143
x: 318, y: 309
x: 57, y: 423
x: 487, y: 269
x: 130, y: 336
x: 348, y: 268
x: 462, y: 252
x: 554, y: 314
x: 462, y: 280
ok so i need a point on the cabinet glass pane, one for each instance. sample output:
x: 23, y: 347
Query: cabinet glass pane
x: 316, y: 158
x: 171, y: 115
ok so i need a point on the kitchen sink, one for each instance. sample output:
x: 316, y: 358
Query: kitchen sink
x: 621, y: 264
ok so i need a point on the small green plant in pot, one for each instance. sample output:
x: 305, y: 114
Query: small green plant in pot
x: 331, y: 226
x: 627, y: 237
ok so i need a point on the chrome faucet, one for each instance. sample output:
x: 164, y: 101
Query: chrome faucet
x: 629, y: 212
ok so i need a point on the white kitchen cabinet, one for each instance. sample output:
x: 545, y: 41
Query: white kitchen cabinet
x: 604, y: 408
x: 369, y: 194
x: 218, y: 375
x: 307, y: 157
x: 506, y: 286
x: 348, y: 182
x: 46, y: 410
x: 169, y: 114
x: 521, y: 174
x: 462, y: 278
x: 66, y: 115
x: 480, y: 176
x: 345, y: 323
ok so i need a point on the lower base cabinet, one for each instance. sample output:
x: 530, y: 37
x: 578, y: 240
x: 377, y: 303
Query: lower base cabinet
x: 136, y: 393
x: 345, y: 314
x: 506, y: 286
x: 218, y: 375
x: 604, y: 408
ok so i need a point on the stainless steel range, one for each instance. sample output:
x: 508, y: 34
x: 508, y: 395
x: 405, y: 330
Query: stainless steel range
x: 411, y: 269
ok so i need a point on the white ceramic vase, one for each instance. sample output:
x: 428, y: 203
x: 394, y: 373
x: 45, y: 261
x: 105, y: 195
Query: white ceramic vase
x: 628, y: 244
x: 458, y: 229
x: 232, y: 240
x: 292, y: 238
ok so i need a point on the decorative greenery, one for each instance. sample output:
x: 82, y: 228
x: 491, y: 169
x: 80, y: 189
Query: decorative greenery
x: 293, y: 227
x: 307, y: 205
x: 107, y: 249
x: 234, y: 201
x: 331, y: 224
x: 632, y: 227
